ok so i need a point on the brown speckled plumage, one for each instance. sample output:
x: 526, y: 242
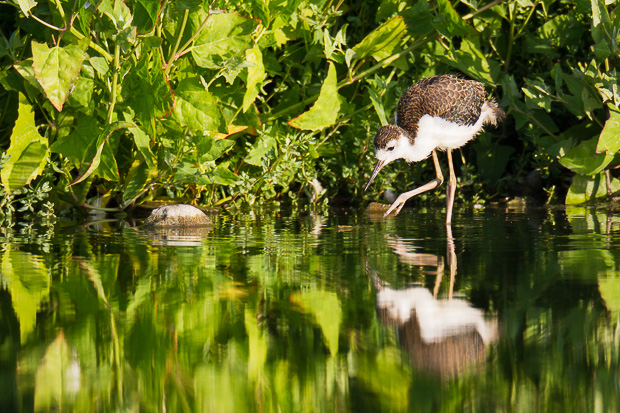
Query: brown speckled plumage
x: 450, y: 97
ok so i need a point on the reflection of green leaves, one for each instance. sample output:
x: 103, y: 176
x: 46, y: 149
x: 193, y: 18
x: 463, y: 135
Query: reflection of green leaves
x: 257, y: 346
x: 27, y: 152
x: 609, y: 287
x: 57, y: 378
x: 327, y: 311
x: 27, y: 280
x: 325, y: 110
x: 385, y: 376
x: 56, y: 70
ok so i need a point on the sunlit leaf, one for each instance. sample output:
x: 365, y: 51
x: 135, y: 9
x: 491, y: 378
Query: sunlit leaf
x: 584, y: 159
x: 382, y: 41
x: 26, y: 6
x: 57, y: 69
x: 585, y: 188
x: 259, y: 150
x: 137, y: 177
x: 197, y: 108
x: 225, y: 35
x: 325, y: 110
x: 609, y: 141
x: 256, y: 72
x: 223, y: 176
x: 27, y: 151
x: 145, y: 14
x: 450, y: 22
x: 118, y: 12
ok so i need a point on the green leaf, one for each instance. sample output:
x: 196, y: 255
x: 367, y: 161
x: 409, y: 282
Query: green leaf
x: 609, y: 141
x: 256, y: 73
x: 589, y: 188
x: 325, y: 110
x: 145, y: 14
x: 449, y: 21
x: 137, y: 177
x: 143, y: 143
x: 583, y: 158
x: 469, y: 59
x: 197, y: 109
x: 225, y: 35
x: 378, y: 105
x: 57, y: 69
x: 104, y: 155
x: 56, y: 376
x: 74, y: 145
x: 223, y: 176
x: 382, y: 41
x: 211, y: 149
x: 147, y: 92
x: 260, y: 149
x: 27, y: 151
x: 118, y: 12
x: 26, y: 6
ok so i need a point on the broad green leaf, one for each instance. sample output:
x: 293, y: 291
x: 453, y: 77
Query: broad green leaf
x: 256, y: 73
x: 103, y: 156
x: 57, y: 69
x: 382, y: 41
x: 325, y: 110
x: 82, y: 94
x: 262, y: 147
x: 223, y: 176
x: 148, y: 93
x: 327, y: 310
x: 492, y: 159
x: 583, y: 158
x: 26, y: 6
x: 585, y: 188
x: 609, y: 141
x: 74, y: 145
x: 449, y: 22
x: 118, y: 12
x: 143, y: 143
x: 137, y: 177
x: 27, y: 151
x: 197, y: 109
x: 224, y: 35
x: 378, y: 105
x: 145, y: 14
x: 469, y: 59
x: 211, y: 149
x: 26, y: 278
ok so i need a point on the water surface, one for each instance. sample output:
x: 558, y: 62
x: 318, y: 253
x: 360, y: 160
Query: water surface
x: 507, y: 311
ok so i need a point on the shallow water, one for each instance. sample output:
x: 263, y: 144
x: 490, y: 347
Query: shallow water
x: 511, y: 311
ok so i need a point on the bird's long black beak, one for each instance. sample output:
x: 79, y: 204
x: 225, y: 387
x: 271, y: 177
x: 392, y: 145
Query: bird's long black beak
x: 375, y: 172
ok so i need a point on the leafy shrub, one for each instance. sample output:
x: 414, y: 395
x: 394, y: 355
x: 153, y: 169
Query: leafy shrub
x: 242, y: 102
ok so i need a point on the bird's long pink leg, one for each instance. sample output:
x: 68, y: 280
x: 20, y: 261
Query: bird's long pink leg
x: 402, y: 198
x: 451, y: 189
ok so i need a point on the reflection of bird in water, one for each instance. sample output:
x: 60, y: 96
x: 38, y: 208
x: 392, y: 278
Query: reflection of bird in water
x: 439, y: 112
x: 442, y: 336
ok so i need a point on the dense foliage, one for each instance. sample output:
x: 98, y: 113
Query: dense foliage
x: 232, y: 103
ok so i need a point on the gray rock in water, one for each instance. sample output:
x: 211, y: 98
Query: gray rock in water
x: 180, y: 215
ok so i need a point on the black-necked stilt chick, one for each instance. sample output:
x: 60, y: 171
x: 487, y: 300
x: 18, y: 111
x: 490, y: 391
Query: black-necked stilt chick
x: 439, y: 112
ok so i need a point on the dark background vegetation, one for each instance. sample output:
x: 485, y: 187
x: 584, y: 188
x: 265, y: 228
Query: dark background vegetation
x: 245, y: 103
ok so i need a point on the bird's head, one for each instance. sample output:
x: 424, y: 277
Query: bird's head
x: 391, y: 143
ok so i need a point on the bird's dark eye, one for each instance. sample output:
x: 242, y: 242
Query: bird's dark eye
x: 391, y: 148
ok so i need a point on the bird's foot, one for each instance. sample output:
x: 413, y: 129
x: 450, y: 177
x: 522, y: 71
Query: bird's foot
x: 397, y: 205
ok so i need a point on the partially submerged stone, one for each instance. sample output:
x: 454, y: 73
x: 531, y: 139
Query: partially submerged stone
x: 180, y: 215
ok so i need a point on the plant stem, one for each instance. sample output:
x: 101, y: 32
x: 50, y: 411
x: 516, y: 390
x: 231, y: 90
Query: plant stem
x: 180, y: 32
x: 117, y: 53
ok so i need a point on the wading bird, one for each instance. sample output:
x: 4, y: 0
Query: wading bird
x: 440, y: 112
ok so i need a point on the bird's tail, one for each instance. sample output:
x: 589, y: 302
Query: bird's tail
x: 494, y: 114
